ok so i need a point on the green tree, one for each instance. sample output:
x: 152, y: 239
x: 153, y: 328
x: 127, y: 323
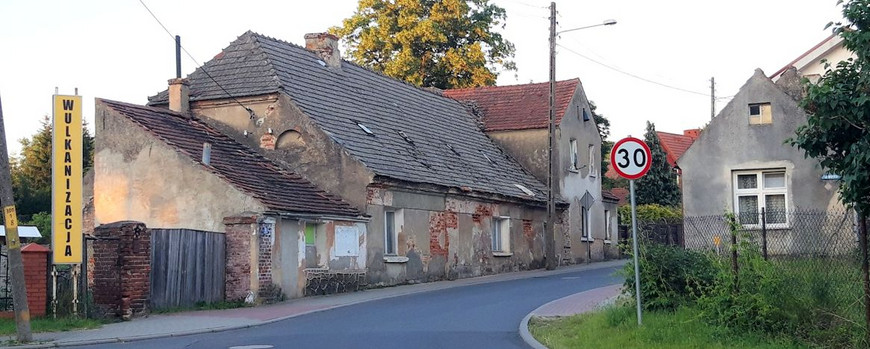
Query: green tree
x: 838, y: 111
x: 31, y: 171
x: 430, y: 43
x: 604, y: 131
x: 659, y: 185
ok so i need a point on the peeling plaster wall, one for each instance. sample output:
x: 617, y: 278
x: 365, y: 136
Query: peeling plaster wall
x: 447, y: 237
x: 529, y: 147
x: 730, y: 143
x: 295, y: 142
x: 138, y: 177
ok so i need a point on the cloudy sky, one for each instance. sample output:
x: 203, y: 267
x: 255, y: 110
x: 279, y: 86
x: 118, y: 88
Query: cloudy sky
x: 655, y: 64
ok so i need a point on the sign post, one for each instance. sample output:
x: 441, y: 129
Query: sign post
x: 631, y: 159
x: 66, y: 189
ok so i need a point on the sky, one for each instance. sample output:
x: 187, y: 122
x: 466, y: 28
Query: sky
x: 654, y: 65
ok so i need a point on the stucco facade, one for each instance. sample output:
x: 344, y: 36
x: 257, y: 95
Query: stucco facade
x: 731, y: 146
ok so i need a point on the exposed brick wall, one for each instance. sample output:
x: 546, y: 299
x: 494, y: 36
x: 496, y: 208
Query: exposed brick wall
x: 122, y: 267
x: 264, y: 270
x: 238, y: 251
x: 35, y: 259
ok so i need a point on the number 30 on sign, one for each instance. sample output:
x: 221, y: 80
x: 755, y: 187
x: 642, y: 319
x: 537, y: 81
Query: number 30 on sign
x: 630, y: 158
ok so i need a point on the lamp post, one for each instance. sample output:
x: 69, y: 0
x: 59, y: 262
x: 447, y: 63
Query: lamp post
x: 550, y: 239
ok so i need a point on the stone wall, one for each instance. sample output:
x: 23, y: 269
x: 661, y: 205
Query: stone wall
x: 122, y: 267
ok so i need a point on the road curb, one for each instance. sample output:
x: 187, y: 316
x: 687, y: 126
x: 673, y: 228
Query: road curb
x: 526, y: 335
x: 447, y: 285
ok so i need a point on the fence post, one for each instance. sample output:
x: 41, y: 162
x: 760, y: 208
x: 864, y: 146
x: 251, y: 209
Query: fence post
x: 763, y: 234
x: 734, y: 266
x: 865, y: 269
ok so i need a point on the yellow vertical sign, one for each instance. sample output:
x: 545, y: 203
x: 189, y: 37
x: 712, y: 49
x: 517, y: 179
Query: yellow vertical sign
x: 11, y: 220
x: 66, y: 172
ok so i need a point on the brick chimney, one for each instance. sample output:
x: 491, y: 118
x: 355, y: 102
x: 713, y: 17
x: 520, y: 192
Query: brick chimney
x: 179, y: 95
x: 324, y: 45
x: 693, y: 133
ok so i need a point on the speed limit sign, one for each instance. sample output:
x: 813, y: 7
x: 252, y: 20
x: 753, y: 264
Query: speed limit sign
x: 630, y: 158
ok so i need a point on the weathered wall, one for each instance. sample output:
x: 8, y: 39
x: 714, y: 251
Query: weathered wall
x: 138, y: 177
x: 122, y: 269
x: 730, y: 143
x: 295, y: 141
x: 446, y: 237
x: 528, y: 147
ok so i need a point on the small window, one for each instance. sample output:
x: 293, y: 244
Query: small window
x: 574, y: 158
x: 592, y: 160
x: 525, y: 189
x: 760, y: 113
x: 390, y: 234
x: 607, y: 233
x: 585, y: 115
x: 584, y: 217
x: 501, y: 234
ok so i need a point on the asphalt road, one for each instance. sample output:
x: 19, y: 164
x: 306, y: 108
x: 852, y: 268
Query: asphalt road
x: 477, y: 316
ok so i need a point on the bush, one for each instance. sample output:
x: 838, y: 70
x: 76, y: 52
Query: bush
x: 650, y: 213
x: 670, y: 276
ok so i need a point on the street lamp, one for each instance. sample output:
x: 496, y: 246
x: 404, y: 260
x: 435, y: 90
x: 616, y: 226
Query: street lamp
x: 550, y: 239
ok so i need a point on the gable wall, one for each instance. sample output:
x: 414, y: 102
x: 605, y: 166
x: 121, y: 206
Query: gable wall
x: 730, y: 143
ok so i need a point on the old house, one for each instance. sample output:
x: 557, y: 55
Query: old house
x: 517, y: 118
x: 810, y: 63
x: 741, y: 163
x: 444, y: 200
x: 174, y: 173
x: 675, y: 145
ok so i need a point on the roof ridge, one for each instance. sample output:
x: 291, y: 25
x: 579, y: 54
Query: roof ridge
x: 493, y: 87
x: 275, y: 79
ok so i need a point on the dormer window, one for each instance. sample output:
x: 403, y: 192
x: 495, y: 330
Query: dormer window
x: 760, y: 113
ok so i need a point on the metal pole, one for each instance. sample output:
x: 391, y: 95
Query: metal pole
x: 551, y: 183
x: 634, y: 243
x: 712, y: 98
x: 54, y: 291
x: 763, y: 234
x: 75, y: 285
x: 13, y: 243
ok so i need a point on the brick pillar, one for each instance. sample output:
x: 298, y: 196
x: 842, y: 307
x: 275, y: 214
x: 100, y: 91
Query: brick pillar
x: 35, y: 259
x: 122, y: 268
x: 239, y: 232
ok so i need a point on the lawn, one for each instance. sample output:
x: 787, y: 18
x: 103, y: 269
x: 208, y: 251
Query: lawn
x: 47, y: 324
x: 616, y: 327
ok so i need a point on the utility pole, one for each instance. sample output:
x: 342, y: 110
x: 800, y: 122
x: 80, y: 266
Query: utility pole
x: 550, y: 239
x: 13, y: 243
x: 712, y: 97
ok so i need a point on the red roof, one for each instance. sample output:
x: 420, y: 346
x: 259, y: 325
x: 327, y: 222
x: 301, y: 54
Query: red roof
x: 621, y: 194
x: 517, y: 107
x: 675, y: 145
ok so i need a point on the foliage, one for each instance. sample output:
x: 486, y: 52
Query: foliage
x: 444, y: 44
x: 616, y: 327
x: 31, y: 171
x: 670, y: 276
x: 659, y: 185
x: 838, y: 111
x: 41, y: 221
x: 791, y: 298
x: 650, y: 213
x: 603, y: 125
x: 47, y: 324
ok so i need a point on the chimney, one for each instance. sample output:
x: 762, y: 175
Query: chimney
x: 692, y: 133
x: 179, y: 95
x: 325, y: 45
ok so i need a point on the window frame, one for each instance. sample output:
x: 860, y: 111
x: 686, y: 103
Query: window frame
x: 575, y: 156
x: 607, y: 233
x: 764, y: 116
x: 500, y: 241
x: 585, y: 231
x: 391, y: 239
x: 760, y: 192
x: 592, y: 160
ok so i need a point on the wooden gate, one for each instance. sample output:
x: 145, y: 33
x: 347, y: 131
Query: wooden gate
x: 187, y: 267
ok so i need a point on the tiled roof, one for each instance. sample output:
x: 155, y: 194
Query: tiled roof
x: 608, y: 196
x: 517, y: 107
x: 674, y: 145
x: 622, y: 194
x: 238, y: 165
x: 418, y: 136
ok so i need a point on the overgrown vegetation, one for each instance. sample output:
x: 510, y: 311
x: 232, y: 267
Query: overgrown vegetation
x: 616, y: 327
x: 651, y: 213
x: 47, y: 324
x: 670, y: 276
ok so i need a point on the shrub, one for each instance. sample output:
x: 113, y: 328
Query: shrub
x: 670, y: 276
x: 650, y: 213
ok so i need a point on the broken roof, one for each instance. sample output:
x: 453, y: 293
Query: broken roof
x: 278, y: 189
x: 517, y: 107
x: 446, y: 147
x: 674, y: 145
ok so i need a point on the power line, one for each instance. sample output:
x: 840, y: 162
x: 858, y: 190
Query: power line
x: 251, y: 112
x: 633, y: 75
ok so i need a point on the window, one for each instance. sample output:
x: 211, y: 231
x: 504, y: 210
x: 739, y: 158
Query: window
x: 592, y: 160
x: 754, y: 190
x: 760, y: 113
x: 501, y: 234
x: 390, y: 239
x: 574, y: 158
x: 584, y: 220
x: 606, y: 225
